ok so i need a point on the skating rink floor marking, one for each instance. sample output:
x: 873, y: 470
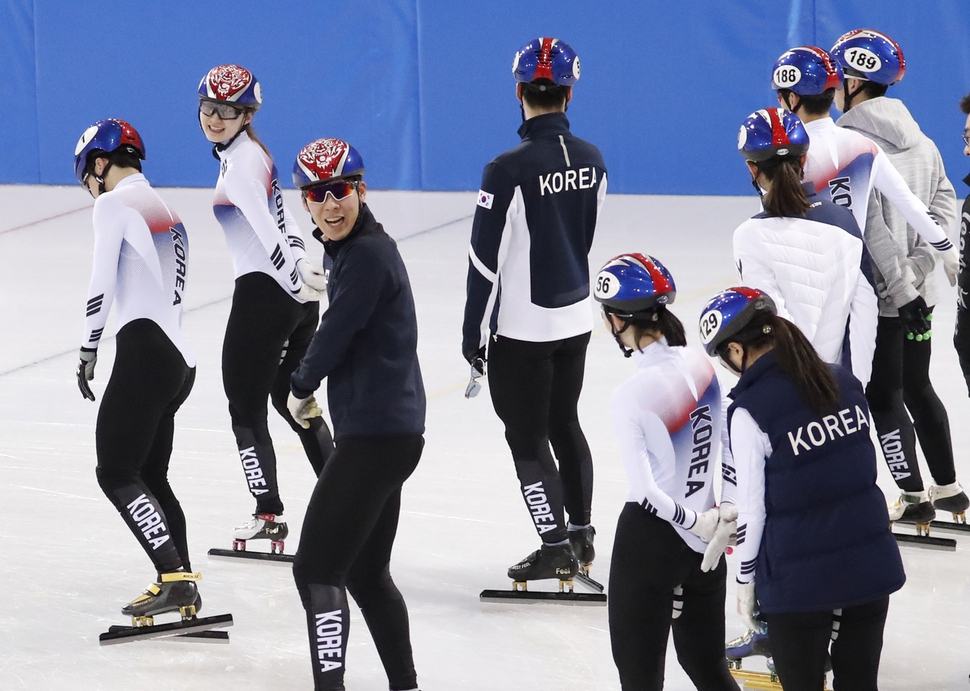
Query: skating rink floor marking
x: 70, y: 563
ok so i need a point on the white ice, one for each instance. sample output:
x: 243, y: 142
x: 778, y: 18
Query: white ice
x: 69, y: 563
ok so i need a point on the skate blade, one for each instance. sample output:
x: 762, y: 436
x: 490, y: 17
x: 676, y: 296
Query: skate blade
x: 584, y: 580
x: 944, y: 544
x: 251, y: 556
x: 960, y: 527
x: 128, y: 634
x: 756, y: 680
x: 207, y: 636
x: 533, y: 596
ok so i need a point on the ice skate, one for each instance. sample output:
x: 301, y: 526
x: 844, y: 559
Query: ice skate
x: 950, y: 498
x: 915, y: 507
x: 262, y: 526
x: 551, y: 561
x: 581, y: 540
x: 748, y: 644
x: 173, y: 592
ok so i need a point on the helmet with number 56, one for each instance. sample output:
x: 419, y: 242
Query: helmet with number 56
x: 632, y: 283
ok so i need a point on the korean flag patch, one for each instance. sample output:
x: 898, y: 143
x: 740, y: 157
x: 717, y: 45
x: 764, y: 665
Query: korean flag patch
x: 485, y: 199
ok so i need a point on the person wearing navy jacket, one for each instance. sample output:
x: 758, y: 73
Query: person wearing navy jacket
x: 817, y: 558
x: 528, y: 287
x: 366, y: 348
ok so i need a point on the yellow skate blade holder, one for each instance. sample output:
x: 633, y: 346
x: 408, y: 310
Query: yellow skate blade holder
x: 181, y: 576
x: 520, y: 586
x: 923, y: 529
x: 566, y: 586
x: 960, y: 517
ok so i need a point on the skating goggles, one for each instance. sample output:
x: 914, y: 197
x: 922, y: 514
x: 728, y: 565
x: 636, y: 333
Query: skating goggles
x: 966, y: 139
x: 225, y: 111
x: 339, y: 190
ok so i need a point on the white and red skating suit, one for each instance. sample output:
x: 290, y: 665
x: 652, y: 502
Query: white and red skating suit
x: 141, y: 254
x: 668, y: 423
x: 260, y: 231
x: 848, y: 166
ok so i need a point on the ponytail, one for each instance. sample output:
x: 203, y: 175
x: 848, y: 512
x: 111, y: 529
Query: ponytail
x: 813, y: 379
x: 786, y: 197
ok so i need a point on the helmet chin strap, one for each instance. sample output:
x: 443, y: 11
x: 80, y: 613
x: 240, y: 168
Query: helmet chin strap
x: 798, y: 105
x: 847, y: 96
x: 757, y: 188
x: 627, y: 352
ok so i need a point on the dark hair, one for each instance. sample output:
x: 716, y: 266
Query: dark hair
x: 660, y: 321
x: 812, y: 104
x: 786, y: 197
x: 251, y: 131
x: 873, y: 89
x: 965, y: 104
x: 123, y: 157
x: 813, y: 379
x: 544, y: 94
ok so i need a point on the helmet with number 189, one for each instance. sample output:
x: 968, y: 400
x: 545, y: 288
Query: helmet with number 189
x: 806, y: 70
x: 546, y: 58
x: 231, y: 84
x: 632, y: 283
x: 105, y: 136
x: 870, y: 55
x: 727, y: 313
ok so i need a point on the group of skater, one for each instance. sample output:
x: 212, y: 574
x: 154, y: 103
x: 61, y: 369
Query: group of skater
x: 829, y: 335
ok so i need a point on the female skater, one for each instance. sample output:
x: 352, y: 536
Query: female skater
x: 668, y: 421
x: 366, y: 348
x: 814, y: 545
x: 141, y: 256
x: 274, y: 305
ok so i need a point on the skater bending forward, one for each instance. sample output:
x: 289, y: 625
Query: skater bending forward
x: 668, y: 423
x: 366, y: 349
x: 140, y: 266
x: 815, y: 552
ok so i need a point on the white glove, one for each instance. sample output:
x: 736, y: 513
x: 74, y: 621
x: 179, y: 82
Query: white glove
x: 312, y: 274
x: 747, y: 605
x: 302, y: 409
x: 705, y: 525
x: 951, y: 265
x: 309, y: 293
x: 725, y: 535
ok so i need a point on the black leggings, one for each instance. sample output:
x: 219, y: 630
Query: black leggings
x: 346, y: 542
x: 535, y: 391
x: 267, y: 335
x: 649, y: 561
x: 136, y: 424
x: 800, y: 642
x: 900, y: 382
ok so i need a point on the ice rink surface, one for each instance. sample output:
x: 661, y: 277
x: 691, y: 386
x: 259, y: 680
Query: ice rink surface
x: 69, y: 563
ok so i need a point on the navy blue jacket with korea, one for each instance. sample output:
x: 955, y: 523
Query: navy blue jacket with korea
x: 826, y: 541
x: 366, y: 344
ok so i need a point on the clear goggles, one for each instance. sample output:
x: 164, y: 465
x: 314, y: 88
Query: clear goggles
x: 225, y: 111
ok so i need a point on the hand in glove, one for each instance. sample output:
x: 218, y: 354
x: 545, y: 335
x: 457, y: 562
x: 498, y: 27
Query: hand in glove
x: 951, y: 264
x: 303, y: 409
x: 309, y: 293
x: 312, y: 275
x: 476, y: 358
x: 85, y: 371
x: 916, y: 316
x: 705, y: 525
x: 747, y: 605
x: 725, y: 534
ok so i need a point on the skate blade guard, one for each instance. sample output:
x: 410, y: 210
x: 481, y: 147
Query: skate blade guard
x: 184, y: 628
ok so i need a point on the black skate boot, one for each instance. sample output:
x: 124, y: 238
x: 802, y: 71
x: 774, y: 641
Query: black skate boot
x: 950, y: 498
x: 174, y: 592
x: 916, y: 507
x: 551, y: 561
x: 581, y: 540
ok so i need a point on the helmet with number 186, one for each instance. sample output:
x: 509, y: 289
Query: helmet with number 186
x: 806, y: 70
x: 632, y: 283
x: 546, y: 58
x: 105, y: 136
x: 727, y: 313
x: 771, y: 132
x: 870, y: 55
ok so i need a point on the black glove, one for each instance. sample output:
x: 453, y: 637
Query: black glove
x: 476, y: 358
x: 85, y: 371
x: 916, y: 317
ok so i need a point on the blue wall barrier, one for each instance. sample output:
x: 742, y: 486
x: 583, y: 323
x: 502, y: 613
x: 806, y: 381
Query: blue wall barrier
x: 423, y: 88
